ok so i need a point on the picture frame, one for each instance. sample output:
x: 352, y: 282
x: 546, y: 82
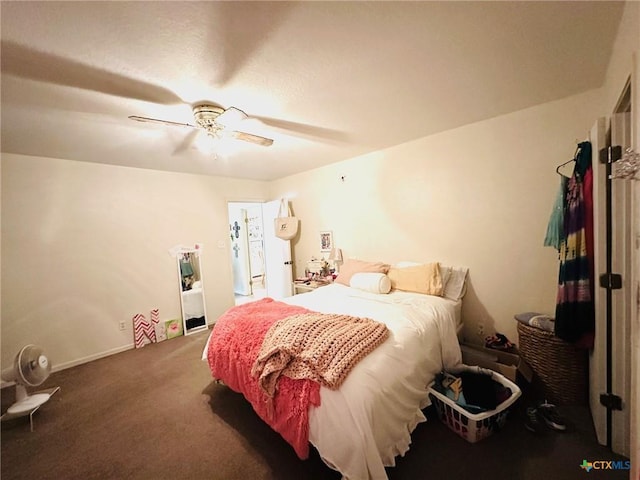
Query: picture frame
x: 173, y: 328
x: 326, y: 241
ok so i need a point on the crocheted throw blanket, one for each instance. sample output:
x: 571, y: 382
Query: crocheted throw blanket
x: 315, y: 346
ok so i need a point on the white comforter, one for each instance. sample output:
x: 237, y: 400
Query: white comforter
x: 361, y: 427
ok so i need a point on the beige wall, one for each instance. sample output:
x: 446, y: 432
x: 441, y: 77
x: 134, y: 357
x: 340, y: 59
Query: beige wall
x: 478, y: 196
x: 85, y: 246
x: 620, y: 63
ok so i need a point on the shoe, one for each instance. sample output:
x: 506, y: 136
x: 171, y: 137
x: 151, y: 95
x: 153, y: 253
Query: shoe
x: 532, y: 421
x: 551, y: 417
x: 498, y: 342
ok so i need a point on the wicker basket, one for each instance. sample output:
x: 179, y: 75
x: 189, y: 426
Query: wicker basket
x: 561, y: 368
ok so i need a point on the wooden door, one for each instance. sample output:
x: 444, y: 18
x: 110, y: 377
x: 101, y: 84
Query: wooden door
x: 621, y: 302
x: 610, y: 366
x: 239, y: 249
x: 278, y: 264
x: 598, y: 356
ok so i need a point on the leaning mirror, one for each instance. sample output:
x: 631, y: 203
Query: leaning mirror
x: 194, y: 316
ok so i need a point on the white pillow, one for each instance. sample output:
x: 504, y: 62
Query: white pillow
x: 445, y: 273
x: 371, y: 282
x: 456, y: 285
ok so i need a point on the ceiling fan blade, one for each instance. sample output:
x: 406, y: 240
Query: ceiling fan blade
x: 238, y: 31
x: 25, y: 62
x: 163, y: 122
x: 231, y: 117
x: 249, y: 137
x: 186, y: 142
x: 303, y: 130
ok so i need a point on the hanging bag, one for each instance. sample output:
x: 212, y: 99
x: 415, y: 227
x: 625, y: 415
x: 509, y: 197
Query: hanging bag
x: 286, y: 226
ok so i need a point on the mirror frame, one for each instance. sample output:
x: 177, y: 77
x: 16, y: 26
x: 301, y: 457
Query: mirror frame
x: 195, y: 255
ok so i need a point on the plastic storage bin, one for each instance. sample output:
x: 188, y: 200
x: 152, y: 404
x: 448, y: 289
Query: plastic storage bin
x: 474, y: 427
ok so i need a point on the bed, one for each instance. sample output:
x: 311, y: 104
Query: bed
x: 360, y: 427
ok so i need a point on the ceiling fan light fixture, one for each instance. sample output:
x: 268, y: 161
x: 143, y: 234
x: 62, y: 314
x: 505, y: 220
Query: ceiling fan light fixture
x: 217, y: 121
x: 205, y: 143
x: 205, y: 116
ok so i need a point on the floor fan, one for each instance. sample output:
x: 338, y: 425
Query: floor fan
x: 30, y: 368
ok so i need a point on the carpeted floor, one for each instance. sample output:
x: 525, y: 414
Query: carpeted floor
x: 154, y: 413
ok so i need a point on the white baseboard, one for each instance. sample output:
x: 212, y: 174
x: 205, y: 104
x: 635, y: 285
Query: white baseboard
x: 80, y: 361
x: 91, y: 358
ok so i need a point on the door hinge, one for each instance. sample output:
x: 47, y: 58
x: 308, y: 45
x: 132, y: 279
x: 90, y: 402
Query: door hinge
x: 611, y: 281
x: 288, y: 262
x: 611, y: 401
x: 610, y: 154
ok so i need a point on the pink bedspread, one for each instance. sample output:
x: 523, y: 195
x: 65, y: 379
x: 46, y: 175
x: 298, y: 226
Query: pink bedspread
x: 233, y: 349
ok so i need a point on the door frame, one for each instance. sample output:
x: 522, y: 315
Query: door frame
x: 277, y: 252
x: 635, y: 276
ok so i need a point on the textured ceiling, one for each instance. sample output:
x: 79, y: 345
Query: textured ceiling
x: 325, y: 80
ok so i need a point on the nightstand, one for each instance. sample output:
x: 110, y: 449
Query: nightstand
x: 307, y: 287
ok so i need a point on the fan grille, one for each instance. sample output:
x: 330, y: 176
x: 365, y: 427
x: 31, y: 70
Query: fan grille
x: 32, y: 366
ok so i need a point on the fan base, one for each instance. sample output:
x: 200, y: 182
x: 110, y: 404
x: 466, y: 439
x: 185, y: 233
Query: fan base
x: 29, y: 403
x: 34, y: 401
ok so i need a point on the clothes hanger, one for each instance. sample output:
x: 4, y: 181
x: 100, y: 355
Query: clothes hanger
x: 562, y: 165
x: 575, y: 156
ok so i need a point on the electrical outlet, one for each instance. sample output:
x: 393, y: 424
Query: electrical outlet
x: 122, y: 325
x: 480, y: 330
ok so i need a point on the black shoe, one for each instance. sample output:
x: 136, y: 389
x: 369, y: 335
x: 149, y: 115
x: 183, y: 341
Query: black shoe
x: 532, y: 421
x: 551, y: 417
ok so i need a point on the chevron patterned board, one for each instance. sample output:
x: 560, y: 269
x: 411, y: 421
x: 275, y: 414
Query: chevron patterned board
x: 159, y: 327
x: 143, y: 331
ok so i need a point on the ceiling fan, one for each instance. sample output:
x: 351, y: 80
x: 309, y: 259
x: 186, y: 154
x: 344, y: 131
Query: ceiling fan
x: 216, y: 121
